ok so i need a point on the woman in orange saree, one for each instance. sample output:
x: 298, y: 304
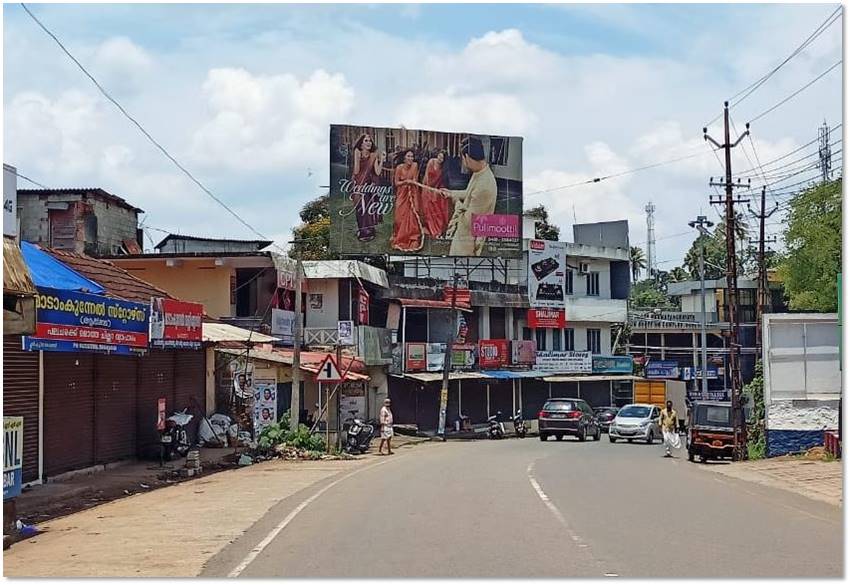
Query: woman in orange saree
x: 407, y: 225
x: 436, y: 209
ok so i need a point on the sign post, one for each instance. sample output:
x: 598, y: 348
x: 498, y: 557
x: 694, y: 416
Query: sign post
x: 13, y: 456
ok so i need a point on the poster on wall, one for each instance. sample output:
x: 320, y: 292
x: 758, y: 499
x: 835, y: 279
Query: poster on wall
x: 265, y: 404
x: 73, y: 321
x: 523, y: 352
x: 316, y: 301
x: 493, y: 353
x: 547, y: 266
x: 283, y: 325
x: 13, y: 456
x: 565, y: 362
x: 242, y: 374
x: 176, y: 324
x: 416, y: 360
x: 399, y: 191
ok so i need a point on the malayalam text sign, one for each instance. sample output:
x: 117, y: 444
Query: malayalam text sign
x: 176, y: 324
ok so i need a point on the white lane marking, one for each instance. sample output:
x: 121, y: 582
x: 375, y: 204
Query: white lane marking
x: 255, y: 552
x: 611, y: 575
x: 549, y: 504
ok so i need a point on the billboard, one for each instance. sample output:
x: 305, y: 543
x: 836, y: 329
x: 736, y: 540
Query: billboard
x: 547, y: 266
x: 494, y: 353
x: 398, y: 191
x: 73, y: 321
x: 176, y: 324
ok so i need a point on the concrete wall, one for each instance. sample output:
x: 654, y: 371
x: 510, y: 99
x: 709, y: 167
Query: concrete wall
x: 328, y: 315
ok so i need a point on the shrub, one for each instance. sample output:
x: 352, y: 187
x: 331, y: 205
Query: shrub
x: 279, y: 434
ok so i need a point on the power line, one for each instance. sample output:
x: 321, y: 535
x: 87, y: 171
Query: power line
x: 138, y: 125
x: 793, y: 95
x: 25, y: 178
x: 798, y: 149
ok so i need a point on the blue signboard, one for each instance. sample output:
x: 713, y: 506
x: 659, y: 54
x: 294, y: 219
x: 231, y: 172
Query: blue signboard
x: 663, y: 369
x: 612, y: 364
x: 73, y: 321
x: 688, y: 373
x: 13, y: 455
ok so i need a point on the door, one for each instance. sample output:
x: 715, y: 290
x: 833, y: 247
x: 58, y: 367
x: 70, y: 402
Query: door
x: 115, y: 401
x: 156, y: 380
x: 68, y: 412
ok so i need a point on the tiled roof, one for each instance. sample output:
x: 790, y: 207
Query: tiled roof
x: 118, y: 282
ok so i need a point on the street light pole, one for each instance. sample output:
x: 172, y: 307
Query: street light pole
x: 702, y: 224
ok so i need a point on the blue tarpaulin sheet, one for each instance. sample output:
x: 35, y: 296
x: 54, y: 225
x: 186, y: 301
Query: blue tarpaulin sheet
x: 48, y: 272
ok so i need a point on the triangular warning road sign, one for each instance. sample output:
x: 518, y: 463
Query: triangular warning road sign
x: 329, y: 370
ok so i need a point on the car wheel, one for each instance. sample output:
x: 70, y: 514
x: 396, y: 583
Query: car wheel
x: 650, y: 438
x: 543, y: 436
x: 612, y: 439
x: 582, y: 434
x: 598, y: 434
x: 690, y: 456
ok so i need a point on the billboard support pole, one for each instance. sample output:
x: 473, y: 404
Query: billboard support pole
x: 447, y: 362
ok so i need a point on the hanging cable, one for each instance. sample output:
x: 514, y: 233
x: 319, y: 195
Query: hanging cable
x: 796, y: 93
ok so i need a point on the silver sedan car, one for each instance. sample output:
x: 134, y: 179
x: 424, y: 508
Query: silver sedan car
x: 636, y: 422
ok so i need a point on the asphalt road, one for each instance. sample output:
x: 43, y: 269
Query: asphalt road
x: 522, y: 508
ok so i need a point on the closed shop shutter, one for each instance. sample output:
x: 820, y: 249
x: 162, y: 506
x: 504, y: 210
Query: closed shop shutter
x: 156, y: 380
x: 564, y: 390
x: 20, y: 397
x: 68, y: 412
x: 501, y: 398
x: 427, y: 407
x: 190, y: 385
x: 535, y: 393
x: 115, y: 401
x: 474, y: 400
x: 596, y: 393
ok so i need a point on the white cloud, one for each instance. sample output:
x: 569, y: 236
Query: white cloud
x: 122, y: 65
x: 484, y: 113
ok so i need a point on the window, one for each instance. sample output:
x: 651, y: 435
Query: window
x: 569, y: 339
x: 594, y: 341
x: 568, y: 282
x: 593, y: 284
x: 556, y: 340
x: 541, y: 339
x: 526, y: 333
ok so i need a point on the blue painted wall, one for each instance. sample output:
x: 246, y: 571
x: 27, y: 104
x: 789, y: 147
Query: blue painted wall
x: 784, y: 442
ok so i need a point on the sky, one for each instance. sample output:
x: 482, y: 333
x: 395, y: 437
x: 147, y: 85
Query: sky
x: 242, y: 96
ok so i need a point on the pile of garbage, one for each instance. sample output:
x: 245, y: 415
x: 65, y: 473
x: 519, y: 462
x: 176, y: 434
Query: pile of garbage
x: 290, y: 453
x: 219, y: 430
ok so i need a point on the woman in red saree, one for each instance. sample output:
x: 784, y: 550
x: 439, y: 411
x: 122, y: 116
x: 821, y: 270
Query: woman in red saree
x: 436, y: 209
x: 407, y: 227
x: 366, y: 173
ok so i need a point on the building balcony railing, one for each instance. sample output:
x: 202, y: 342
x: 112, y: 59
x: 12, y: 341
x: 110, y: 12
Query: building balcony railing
x: 321, y: 336
x: 373, y: 344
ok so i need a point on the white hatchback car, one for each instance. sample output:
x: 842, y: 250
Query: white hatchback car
x: 636, y: 421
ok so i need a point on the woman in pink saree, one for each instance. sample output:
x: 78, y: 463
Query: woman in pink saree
x: 436, y: 209
x: 366, y: 173
x: 407, y: 227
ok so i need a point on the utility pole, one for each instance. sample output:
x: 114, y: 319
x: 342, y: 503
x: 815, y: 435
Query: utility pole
x: 732, y: 278
x: 650, y: 239
x: 295, y: 398
x: 702, y: 224
x: 761, y: 301
x: 447, y: 360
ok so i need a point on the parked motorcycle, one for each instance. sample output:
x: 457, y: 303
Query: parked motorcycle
x: 519, y: 425
x: 359, y: 436
x: 174, y: 439
x: 496, y: 428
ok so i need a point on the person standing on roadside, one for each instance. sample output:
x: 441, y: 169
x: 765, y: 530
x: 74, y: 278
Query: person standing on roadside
x: 668, y: 422
x: 386, y: 428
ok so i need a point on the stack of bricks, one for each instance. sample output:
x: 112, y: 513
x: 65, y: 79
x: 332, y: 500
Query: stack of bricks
x: 193, y: 463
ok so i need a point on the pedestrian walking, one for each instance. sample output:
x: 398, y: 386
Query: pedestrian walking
x: 386, y: 428
x: 669, y: 421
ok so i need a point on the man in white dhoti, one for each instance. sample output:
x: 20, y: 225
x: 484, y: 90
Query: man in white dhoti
x: 669, y: 422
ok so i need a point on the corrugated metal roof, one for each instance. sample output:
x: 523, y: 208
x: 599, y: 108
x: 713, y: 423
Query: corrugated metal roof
x: 345, y: 269
x: 16, y: 276
x: 221, y: 332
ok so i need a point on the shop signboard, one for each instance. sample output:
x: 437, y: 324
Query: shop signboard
x: 416, y: 357
x: 547, y: 266
x: 662, y: 369
x: 689, y: 374
x: 546, y: 318
x: 463, y: 356
x: 265, y: 404
x: 13, y: 455
x: 176, y: 324
x: 469, y: 189
x: 564, y: 362
x: 73, y: 321
x: 612, y: 364
x: 283, y: 325
x: 523, y: 352
x: 493, y: 353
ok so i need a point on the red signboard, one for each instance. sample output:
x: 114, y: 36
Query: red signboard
x: 493, y: 353
x: 176, y: 324
x: 416, y: 358
x: 546, y: 318
x: 362, y: 306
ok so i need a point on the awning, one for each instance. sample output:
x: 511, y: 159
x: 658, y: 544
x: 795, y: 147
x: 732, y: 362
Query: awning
x: 514, y: 374
x: 219, y: 332
x: 435, y: 376
x: 588, y: 378
x: 16, y: 276
x: 432, y: 304
x: 282, y: 359
x: 48, y: 272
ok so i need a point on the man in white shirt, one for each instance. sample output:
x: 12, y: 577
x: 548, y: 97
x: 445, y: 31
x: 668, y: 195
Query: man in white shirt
x: 478, y: 198
x: 386, y: 420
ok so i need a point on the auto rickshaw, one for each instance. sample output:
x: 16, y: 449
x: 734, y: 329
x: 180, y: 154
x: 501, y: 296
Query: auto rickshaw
x: 711, y: 434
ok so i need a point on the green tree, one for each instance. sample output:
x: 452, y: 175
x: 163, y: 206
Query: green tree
x: 638, y: 261
x: 679, y: 274
x: 313, y: 236
x: 715, y: 251
x: 756, y: 445
x: 649, y: 294
x: 542, y: 228
x: 812, y: 260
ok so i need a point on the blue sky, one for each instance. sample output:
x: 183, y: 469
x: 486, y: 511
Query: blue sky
x: 243, y: 94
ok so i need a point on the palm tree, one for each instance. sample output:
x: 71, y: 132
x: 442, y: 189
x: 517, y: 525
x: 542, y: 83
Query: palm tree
x: 638, y: 260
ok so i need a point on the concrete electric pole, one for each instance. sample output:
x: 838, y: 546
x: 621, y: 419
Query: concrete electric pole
x: 702, y: 224
x: 761, y: 301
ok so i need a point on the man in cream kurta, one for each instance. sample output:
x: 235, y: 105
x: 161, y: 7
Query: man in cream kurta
x: 478, y: 198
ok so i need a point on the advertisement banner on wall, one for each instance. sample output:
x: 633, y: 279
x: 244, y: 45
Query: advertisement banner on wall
x: 265, y: 404
x: 13, y: 456
x: 547, y: 265
x: 463, y: 356
x: 565, y: 362
x: 417, y: 357
x: 662, y: 369
x: 612, y: 364
x: 73, y: 321
x: 523, y: 352
x: 283, y: 325
x: 345, y: 332
x: 547, y: 318
x: 374, y: 345
x: 400, y: 191
x: 176, y: 324
x: 493, y: 353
